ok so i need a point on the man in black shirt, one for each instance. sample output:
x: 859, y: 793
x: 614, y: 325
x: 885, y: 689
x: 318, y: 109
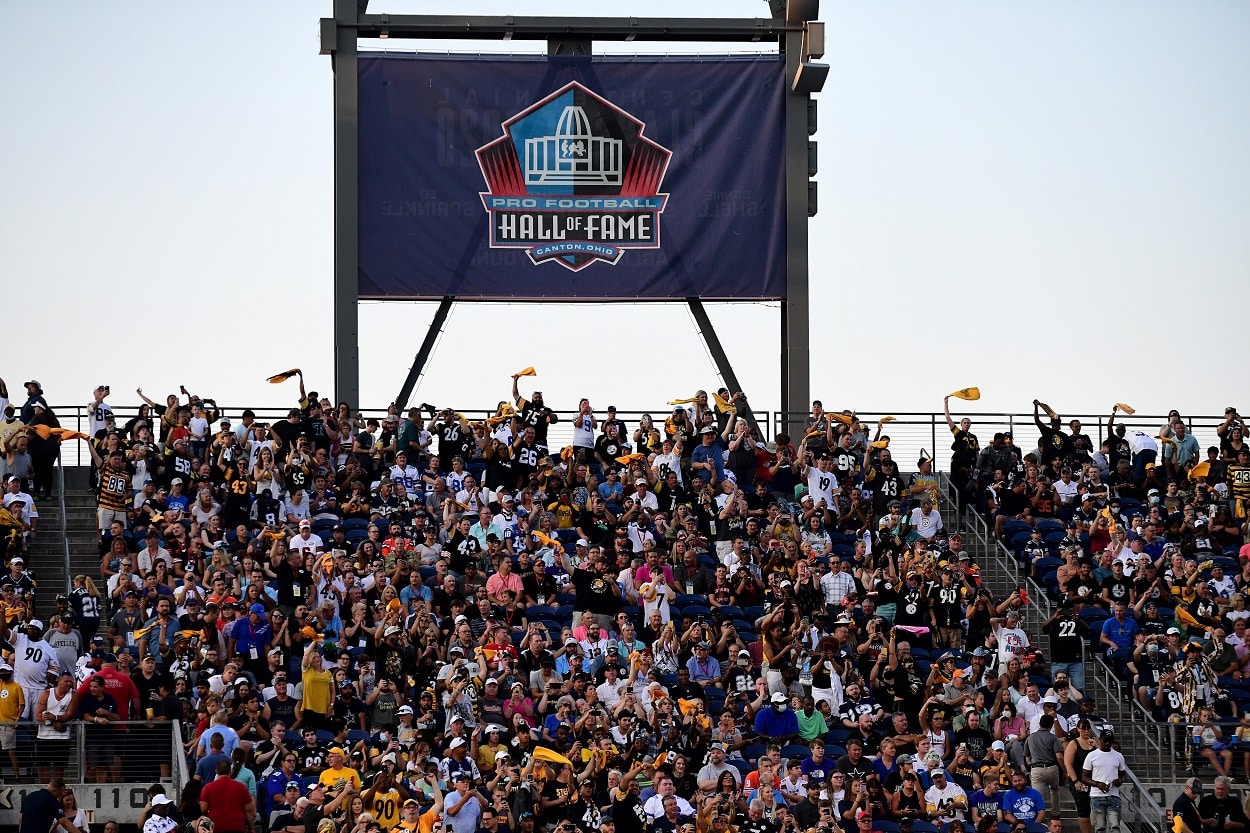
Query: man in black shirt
x: 597, y: 591
x: 1221, y: 812
x: 1116, y: 589
x: 295, y: 582
x: 1066, y: 631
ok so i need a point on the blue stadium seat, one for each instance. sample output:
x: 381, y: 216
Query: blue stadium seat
x: 753, y: 751
x: 355, y: 523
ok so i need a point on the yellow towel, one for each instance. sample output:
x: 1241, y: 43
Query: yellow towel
x: 970, y: 394
x: 529, y: 371
x: 279, y: 378
x: 542, y: 753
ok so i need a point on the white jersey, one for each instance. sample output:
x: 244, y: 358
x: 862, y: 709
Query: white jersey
x: 254, y: 451
x: 32, y: 661
x: 409, y: 476
x: 822, y: 485
x: 1139, y: 441
x: 584, y: 431
x: 307, y: 546
x: 98, y: 417
x: 455, y: 481
x: 945, y: 801
x: 664, y: 463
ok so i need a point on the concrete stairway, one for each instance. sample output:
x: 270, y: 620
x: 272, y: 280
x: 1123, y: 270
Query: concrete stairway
x: 47, y: 553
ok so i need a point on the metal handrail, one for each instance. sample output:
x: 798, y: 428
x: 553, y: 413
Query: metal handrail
x: 180, y: 770
x: 60, y: 493
x: 910, y: 432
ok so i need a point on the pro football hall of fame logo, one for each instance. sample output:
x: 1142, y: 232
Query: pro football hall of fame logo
x: 572, y: 180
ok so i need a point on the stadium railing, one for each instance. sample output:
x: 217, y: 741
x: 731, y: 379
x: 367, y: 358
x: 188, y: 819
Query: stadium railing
x: 911, y: 433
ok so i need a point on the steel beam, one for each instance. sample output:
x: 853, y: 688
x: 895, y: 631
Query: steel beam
x: 505, y: 27
x: 346, y: 209
x: 723, y: 367
x: 423, y: 355
x: 795, y: 324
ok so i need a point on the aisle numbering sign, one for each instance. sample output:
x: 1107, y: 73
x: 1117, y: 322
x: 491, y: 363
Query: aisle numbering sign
x: 574, y: 181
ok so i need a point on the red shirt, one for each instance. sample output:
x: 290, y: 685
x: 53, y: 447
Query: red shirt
x: 123, y: 689
x: 225, y: 799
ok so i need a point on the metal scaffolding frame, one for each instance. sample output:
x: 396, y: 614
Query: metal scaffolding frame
x: 792, y: 27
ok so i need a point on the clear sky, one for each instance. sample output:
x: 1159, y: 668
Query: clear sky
x: 1046, y: 200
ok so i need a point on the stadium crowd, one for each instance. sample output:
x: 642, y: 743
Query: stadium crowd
x: 431, y: 623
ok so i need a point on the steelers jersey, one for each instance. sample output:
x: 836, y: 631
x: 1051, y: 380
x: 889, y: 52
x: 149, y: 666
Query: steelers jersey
x: 1238, y: 479
x: 114, y: 490
x: 386, y: 807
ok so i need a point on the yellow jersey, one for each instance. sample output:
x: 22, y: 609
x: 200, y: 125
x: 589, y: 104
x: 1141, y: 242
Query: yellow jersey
x: 386, y: 807
x: 12, y: 702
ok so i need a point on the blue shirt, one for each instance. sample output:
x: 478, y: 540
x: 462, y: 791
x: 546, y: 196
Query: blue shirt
x: 708, y: 671
x: 1023, y: 805
x: 1121, y: 634
x: 247, y: 638
x: 206, y: 769
x: 985, y: 803
x: 818, y: 771
x: 275, y: 785
x: 710, y: 454
x: 776, y: 724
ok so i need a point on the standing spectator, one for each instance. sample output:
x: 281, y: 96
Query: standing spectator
x: 42, y: 809
x: 43, y: 451
x: 1103, y: 771
x: 227, y: 802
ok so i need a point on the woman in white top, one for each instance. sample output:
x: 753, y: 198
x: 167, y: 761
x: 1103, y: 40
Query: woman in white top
x: 584, y: 426
x: 76, y: 815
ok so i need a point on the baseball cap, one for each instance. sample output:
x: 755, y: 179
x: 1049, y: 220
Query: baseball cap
x: 258, y: 609
x: 336, y: 750
x: 35, y: 623
x: 939, y: 771
x: 404, y: 710
x: 778, y: 697
x: 458, y: 742
x: 1174, y: 631
x: 1194, y: 784
x: 998, y: 746
x: 906, y: 759
x: 160, y: 800
x: 1106, y: 734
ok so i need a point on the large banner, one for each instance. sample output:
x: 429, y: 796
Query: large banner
x: 600, y: 178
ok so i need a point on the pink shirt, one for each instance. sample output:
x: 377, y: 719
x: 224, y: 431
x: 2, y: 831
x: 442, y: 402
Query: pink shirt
x: 499, y: 582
